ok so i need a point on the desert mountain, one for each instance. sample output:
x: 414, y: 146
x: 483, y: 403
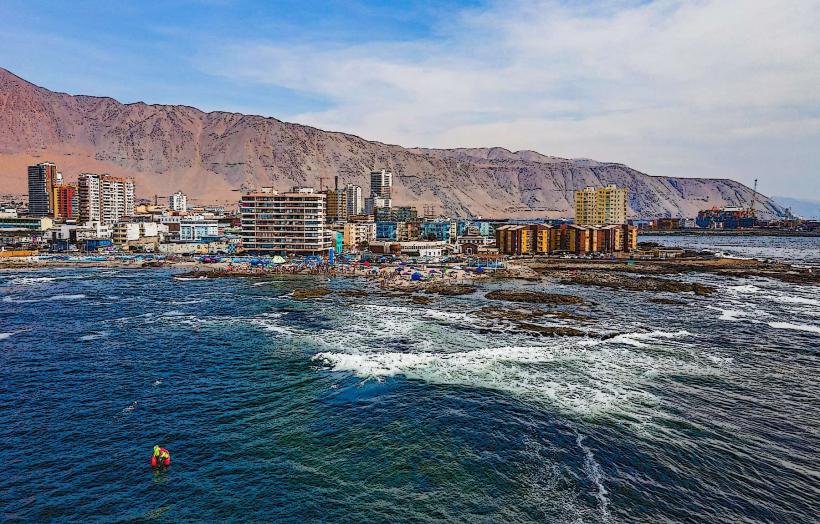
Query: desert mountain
x: 207, y: 155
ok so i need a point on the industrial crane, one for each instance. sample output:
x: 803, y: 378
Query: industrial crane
x: 754, y: 200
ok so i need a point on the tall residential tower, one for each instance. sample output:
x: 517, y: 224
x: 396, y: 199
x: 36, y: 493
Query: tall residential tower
x: 42, y: 179
x: 600, y: 206
x: 104, y: 198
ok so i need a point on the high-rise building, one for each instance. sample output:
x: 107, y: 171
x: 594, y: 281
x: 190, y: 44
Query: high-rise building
x: 336, y: 203
x: 41, y: 181
x: 381, y: 184
x: 600, y: 206
x: 282, y: 223
x: 104, y: 198
x: 178, y: 202
x: 66, y: 202
x: 372, y: 203
x: 353, y: 195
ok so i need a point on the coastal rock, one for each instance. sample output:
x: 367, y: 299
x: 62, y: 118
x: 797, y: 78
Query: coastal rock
x: 501, y: 313
x: 630, y: 283
x: 552, y: 331
x: 315, y: 292
x: 415, y: 299
x: 353, y: 293
x: 533, y: 297
x: 449, y: 289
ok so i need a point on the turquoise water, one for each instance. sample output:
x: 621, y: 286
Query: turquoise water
x: 375, y: 409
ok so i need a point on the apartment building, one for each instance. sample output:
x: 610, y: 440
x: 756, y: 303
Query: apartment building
x: 284, y: 223
x: 42, y: 178
x: 104, y: 198
x: 178, y: 202
x: 381, y: 184
x: 600, y: 206
x: 355, y: 233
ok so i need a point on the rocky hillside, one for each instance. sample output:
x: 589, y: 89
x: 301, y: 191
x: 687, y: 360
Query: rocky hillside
x: 210, y: 154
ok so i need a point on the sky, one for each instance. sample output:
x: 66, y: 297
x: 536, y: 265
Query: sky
x: 695, y: 88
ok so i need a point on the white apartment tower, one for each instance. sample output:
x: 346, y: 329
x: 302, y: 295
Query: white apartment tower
x: 285, y: 223
x: 178, y: 202
x: 104, y: 198
x: 355, y: 203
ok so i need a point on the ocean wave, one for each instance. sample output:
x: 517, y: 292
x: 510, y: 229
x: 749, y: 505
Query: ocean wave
x: 730, y: 315
x: 94, y: 336
x: 748, y: 288
x: 573, y: 377
x: 77, y: 296
x: 789, y: 299
x: 18, y: 300
x: 4, y: 336
x: 808, y: 328
x: 593, y: 472
x: 639, y: 339
x: 28, y: 281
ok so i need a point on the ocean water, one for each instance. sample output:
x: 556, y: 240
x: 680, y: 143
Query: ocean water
x: 375, y: 409
x: 796, y: 250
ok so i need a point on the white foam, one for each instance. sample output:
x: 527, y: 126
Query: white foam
x: 17, y: 300
x: 574, y: 377
x: 730, y: 315
x: 4, y: 336
x: 788, y: 299
x: 28, y: 281
x: 78, y: 296
x: 639, y: 339
x: 94, y: 336
x: 593, y: 471
x: 748, y: 288
x: 808, y: 328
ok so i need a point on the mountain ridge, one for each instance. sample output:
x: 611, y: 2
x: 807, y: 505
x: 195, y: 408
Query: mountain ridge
x: 209, y: 155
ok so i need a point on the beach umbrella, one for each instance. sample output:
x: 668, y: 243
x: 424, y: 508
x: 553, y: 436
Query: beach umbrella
x: 479, y: 269
x: 398, y: 270
x: 278, y: 260
x: 415, y: 276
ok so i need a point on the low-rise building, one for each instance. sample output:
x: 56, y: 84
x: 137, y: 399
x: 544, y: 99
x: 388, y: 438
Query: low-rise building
x: 357, y: 233
x: 418, y: 248
x: 436, y: 230
x: 198, y: 230
x: 542, y: 239
x: 17, y: 223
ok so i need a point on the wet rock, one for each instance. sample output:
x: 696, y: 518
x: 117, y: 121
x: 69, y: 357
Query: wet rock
x: 631, y: 283
x: 552, y: 331
x: 316, y: 292
x: 533, y: 297
x: 494, y: 312
x: 355, y: 293
x: 415, y: 299
x: 450, y: 289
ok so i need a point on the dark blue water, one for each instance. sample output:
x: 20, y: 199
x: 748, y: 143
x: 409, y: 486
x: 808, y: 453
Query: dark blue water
x: 375, y: 409
x: 796, y: 250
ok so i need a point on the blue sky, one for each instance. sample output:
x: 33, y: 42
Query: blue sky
x: 711, y: 88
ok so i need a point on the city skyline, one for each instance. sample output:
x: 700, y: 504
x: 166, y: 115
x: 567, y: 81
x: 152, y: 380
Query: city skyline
x: 714, y: 89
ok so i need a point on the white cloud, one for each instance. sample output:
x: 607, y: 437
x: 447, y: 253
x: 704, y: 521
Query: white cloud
x: 671, y: 87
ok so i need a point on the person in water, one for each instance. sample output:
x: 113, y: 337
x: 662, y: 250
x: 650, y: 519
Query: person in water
x: 161, y: 457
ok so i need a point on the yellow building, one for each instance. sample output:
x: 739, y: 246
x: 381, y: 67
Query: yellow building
x: 336, y: 203
x: 599, y: 206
